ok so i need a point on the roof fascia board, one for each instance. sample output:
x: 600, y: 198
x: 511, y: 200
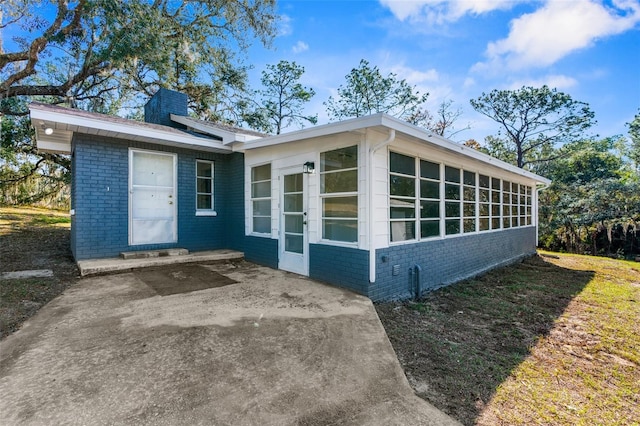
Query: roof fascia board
x: 93, y: 123
x: 351, y: 125
x: 398, y: 125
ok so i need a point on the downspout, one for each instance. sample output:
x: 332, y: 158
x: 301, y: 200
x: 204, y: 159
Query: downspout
x: 538, y: 190
x: 372, y: 249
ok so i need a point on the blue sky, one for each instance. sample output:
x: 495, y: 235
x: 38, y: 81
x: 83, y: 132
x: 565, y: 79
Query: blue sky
x: 458, y: 49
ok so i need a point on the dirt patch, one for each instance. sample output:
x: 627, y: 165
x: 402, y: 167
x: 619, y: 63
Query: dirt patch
x: 32, y: 239
x: 176, y: 279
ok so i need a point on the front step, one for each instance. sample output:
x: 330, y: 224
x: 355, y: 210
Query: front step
x: 104, y: 266
x: 153, y: 253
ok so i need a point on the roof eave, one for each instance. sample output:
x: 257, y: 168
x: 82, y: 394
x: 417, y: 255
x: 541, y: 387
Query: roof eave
x: 387, y: 121
x: 63, y: 123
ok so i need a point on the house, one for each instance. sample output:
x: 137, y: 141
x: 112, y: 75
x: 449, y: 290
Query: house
x: 372, y: 204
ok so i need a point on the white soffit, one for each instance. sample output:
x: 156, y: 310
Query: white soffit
x: 63, y: 123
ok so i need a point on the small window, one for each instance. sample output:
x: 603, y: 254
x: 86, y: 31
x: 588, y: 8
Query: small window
x: 261, y: 198
x: 204, y: 186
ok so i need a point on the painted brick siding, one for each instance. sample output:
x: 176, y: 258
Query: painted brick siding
x: 233, y: 208
x: 341, y: 266
x: 446, y: 261
x: 100, y: 199
x: 260, y: 250
x: 164, y: 103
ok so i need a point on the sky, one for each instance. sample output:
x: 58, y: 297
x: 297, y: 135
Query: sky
x: 456, y: 50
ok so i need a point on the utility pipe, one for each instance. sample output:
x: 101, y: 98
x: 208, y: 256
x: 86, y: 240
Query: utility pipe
x: 372, y: 249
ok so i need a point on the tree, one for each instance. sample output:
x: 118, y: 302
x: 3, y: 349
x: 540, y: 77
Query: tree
x: 634, y: 134
x: 90, y: 47
x: 281, y: 99
x: 593, y: 204
x: 101, y: 54
x: 368, y: 92
x: 443, y: 123
x: 535, y: 120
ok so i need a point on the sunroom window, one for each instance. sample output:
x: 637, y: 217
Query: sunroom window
x: 339, y: 194
x: 452, y: 210
x: 402, y: 200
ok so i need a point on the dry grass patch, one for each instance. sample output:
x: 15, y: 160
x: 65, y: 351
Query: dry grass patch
x: 32, y: 238
x: 553, y: 340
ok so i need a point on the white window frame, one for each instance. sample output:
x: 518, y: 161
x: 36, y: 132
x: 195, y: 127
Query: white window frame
x: 328, y: 195
x: 267, y: 198
x: 210, y: 211
x: 514, y: 208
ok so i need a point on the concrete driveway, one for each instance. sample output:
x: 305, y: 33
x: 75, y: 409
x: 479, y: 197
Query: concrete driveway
x: 224, y: 344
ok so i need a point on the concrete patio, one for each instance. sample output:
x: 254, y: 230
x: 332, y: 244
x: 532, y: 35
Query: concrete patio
x: 221, y: 344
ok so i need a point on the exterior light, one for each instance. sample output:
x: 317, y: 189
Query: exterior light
x: 309, y: 167
x: 46, y: 129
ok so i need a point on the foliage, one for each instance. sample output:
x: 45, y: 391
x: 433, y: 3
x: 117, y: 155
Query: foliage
x: 534, y: 121
x: 281, y: 99
x: 367, y: 91
x: 442, y: 123
x: 90, y: 47
x: 103, y: 55
x: 593, y: 205
x: 634, y: 134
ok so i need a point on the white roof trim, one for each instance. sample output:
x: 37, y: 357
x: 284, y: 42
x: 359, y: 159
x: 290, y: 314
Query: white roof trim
x: 64, y: 124
x: 388, y: 122
x: 227, y: 136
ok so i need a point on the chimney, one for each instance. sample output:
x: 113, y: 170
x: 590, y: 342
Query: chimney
x: 164, y: 103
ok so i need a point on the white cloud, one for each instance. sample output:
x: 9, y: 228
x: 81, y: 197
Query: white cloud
x: 300, y: 47
x: 543, y: 37
x: 440, y: 11
x: 561, y: 82
x: 468, y: 83
x: 284, y: 25
x: 413, y: 76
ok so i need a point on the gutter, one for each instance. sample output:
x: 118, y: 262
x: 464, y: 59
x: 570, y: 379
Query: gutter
x: 372, y: 249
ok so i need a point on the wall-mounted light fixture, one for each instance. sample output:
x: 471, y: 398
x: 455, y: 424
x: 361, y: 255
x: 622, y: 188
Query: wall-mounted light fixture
x: 309, y: 167
x: 47, y: 130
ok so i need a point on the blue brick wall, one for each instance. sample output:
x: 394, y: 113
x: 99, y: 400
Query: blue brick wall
x: 233, y: 208
x: 100, y: 199
x: 260, y: 250
x: 341, y: 266
x: 446, y: 261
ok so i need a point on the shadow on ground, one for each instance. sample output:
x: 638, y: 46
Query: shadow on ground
x: 460, y: 343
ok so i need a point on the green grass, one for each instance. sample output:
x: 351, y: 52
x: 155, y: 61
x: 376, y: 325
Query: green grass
x: 548, y: 341
x: 40, y: 219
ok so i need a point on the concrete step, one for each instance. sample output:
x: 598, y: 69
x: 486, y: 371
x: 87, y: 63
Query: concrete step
x: 153, y: 253
x: 104, y: 266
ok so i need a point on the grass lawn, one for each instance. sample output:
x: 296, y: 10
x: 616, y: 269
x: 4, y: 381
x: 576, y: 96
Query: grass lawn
x: 32, y: 238
x: 554, y: 340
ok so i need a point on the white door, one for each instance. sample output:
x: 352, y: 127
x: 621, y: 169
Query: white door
x: 152, y: 198
x: 293, y: 256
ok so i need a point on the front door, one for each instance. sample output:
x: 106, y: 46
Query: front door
x: 294, y: 256
x: 152, y: 197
